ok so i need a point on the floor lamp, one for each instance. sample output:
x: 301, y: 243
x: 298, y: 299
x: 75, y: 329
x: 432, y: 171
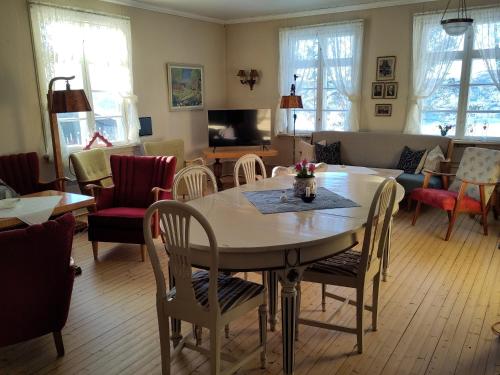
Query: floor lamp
x: 63, y: 101
x: 292, y: 101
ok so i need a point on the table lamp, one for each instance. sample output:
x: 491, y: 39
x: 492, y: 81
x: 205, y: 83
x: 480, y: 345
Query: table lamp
x: 63, y: 101
x: 292, y: 101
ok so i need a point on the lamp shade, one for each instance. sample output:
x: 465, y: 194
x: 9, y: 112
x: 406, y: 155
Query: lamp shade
x: 456, y: 26
x: 291, y: 101
x: 69, y: 101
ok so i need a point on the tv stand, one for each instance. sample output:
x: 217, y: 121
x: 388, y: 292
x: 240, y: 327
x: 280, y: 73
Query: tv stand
x: 232, y: 153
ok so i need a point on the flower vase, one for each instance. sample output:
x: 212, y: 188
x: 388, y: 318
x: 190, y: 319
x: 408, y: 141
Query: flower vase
x: 301, y: 183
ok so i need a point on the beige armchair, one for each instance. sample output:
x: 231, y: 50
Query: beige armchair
x: 91, y: 167
x: 173, y: 147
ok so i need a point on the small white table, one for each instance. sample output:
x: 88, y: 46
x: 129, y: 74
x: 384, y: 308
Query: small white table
x: 283, y: 243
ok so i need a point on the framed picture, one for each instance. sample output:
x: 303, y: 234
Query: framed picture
x: 391, y: 90
x: 185, y: 87
x: 386, y: 68
x: 383, y: 109
x: 378, y: 90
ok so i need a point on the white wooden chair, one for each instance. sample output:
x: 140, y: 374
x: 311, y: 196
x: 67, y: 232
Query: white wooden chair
x: 195, y: 180
x: 353, y: 269
x: 204, y: 298
x: 247, y: 162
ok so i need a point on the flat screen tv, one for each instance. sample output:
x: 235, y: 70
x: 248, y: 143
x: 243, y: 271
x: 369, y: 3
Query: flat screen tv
x: 239, y: 127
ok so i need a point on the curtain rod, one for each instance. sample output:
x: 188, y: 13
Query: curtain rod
x: 322, y: 24
x: 81, y: 10
x: 479, y: 7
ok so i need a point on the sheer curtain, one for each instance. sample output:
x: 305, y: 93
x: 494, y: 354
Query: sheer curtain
x: 432, y: 58
x: 487, y: 37
x: 97, y: 50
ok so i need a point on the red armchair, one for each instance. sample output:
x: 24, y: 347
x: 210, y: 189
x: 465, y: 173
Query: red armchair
x: 36, y: 281
x: 21, y: 172
x: 138, y: 182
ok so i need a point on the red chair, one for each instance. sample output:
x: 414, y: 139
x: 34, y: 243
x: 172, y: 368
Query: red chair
x: 21, y: 172
x: 36, y: 281
x: 138, y: 182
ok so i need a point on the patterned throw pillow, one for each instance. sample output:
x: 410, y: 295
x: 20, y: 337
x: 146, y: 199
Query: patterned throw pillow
x: 329, y: 154
x: 410, y: 159
x: 434, y: 159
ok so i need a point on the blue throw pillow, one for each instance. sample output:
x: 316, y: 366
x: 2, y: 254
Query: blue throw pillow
x: 329, y: 154
x: 409, y: 159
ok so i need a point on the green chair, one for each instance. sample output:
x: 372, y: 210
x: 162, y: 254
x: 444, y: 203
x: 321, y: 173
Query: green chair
x: 91, y: 167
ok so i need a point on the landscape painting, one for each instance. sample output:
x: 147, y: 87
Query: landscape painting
x: 185, y: 83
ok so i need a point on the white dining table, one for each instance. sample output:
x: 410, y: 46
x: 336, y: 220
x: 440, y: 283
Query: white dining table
x: 282, y: 243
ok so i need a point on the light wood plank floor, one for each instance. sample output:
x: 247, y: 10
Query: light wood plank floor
x: 436, y: 312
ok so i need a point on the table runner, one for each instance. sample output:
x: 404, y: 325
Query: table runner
x: 268, y: 201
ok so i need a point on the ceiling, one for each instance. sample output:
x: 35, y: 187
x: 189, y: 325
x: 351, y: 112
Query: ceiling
x: 237, y: 11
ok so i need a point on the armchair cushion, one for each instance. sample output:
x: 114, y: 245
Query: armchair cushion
x: 445, y: 199
x: 412, y: 181
x: 121, y: 217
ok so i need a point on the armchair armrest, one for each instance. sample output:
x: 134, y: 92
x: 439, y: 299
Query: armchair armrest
x: 97, y: 179
x: 444, y: 176
x: 432, y: 173
x: 157, y: 191
x: 58, y: 182
x: 196, y: 161
x: 478, y: 183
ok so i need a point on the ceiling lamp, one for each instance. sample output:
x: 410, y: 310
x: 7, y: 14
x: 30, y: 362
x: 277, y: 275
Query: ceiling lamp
x: 457, y: 26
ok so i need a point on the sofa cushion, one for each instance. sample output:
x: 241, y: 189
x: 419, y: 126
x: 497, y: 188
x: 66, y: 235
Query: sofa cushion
x: 434, y: 159
x: 444, y: 199
x: 410, y: 159
x: 329, y: 154
x: 412, y: 181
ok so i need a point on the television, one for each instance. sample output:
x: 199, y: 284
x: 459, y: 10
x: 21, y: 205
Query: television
x: 239, y: 127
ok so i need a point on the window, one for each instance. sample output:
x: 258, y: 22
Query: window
x: 96, y: 49
x: 327, y: 60
x: 467, y: 97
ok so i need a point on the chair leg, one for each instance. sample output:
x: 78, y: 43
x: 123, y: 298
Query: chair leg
x: 323, y: 297
x: 197, y: 333
x: 417, y: 212
x: 59, y: 343
x: 450, y: 225
x: 376, y: 291
x: 263, y: 334
x: 409, y: 201
x: 164, y: 329
x: 95, y: 249
x: 360, y: 307
x: 297, y: 310
x: 226, y: 331
x: 215, y: 344
x: 143, y: 252
x: 485, y: 222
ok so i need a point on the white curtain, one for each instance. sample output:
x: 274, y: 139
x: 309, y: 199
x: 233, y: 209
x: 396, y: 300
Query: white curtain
x: 487, y: 37
x: 432, y: 58
x: 97, y: 50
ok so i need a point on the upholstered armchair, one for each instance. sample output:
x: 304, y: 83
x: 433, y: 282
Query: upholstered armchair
x: 36, y: 281
x: 470, y: 192
x: 22, y: 173
x: 138, y: 182
x: 91, y: 167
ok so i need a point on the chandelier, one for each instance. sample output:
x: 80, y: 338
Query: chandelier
x: 460, y: 24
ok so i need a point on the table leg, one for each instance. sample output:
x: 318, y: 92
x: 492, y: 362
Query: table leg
x: 218, y: 173
x: 387, y: 253
x: 272, y: 285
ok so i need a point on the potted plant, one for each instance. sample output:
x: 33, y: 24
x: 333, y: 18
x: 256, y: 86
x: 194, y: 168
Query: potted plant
x: 304, y: 178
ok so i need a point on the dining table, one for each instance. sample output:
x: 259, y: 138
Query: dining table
x: 282, y: 245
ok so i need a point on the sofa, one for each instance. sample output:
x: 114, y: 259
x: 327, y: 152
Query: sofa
x: 383, y: 150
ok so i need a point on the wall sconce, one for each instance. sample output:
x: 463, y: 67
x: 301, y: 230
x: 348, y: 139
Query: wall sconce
x: 248, y: 79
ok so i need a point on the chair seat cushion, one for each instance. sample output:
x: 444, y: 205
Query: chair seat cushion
x: 444, y: 199
x: 123, y: 217
x: 232, y: 292
x: 345, y: 264
x: 412, y: 181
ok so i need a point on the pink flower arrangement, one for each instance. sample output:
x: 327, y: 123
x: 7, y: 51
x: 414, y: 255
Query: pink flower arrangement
x: 305, y: 169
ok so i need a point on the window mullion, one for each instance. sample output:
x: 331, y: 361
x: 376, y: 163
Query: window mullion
x: 319, y: 92
x: 91, y: 125
x: 464, y: 84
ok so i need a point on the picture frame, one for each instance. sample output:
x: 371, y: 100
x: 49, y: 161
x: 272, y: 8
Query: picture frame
x: 185, y: 87
x: 383, y: 110
x: 391, y: 90
x: 378, y: 90
x: 386, y: 68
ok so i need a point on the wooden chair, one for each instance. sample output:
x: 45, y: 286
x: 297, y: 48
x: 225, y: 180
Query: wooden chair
x: 202, y: 297
x: 354, y: 269
x: 195, y: 180
x: 248, y: 162
x: 471, y: 192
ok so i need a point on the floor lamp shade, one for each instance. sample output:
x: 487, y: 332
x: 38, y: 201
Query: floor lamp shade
x: 291, y: 101
x: 64, y: 101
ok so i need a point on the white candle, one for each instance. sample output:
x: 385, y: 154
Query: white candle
x: 308, y: 191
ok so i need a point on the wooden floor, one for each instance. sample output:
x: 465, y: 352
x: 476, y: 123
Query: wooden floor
x: 436, y: 312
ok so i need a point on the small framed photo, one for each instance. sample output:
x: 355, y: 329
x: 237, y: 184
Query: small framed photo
x: 386, y: 68
x: 185, y: 87
x: 383, y: 109
x: 391, y: 90
x: 378, y: 89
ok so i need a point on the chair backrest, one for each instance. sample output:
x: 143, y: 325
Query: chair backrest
x: 195, y: 179
x: 20, y: 172
x: 480, y: 165
x: 36, y: 279
x: 172, y: 147
x: 247, y: 162
x: 90, y: 167
x: 377, y: 225
x: 176, y: 219
x: 135, y: 176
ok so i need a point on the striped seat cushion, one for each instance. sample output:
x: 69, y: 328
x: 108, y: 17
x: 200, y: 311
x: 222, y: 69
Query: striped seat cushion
x: 344, y: 264
x: 232, y: 292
